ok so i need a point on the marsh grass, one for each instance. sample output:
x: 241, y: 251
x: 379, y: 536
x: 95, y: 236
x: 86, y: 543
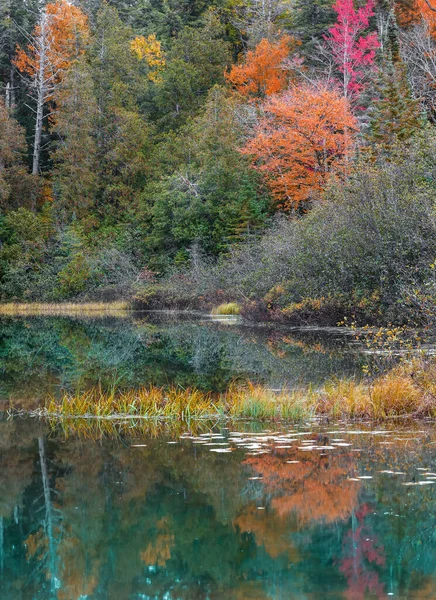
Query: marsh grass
x: 229, y: 308
x: 405, y: 391
x: 68, y: 308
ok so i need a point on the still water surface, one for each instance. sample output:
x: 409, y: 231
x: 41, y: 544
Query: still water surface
x: 304, y: 512
x: 212, y: 511
x: 43, y: 356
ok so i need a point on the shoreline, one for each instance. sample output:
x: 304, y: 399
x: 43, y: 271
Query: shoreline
x: 408, y: 391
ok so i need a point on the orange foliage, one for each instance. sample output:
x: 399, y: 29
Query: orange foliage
x: 410, y: 12
x: 58, y: 40
x: 306, y: 134
x: 315, y: 489
x: 264, y: 71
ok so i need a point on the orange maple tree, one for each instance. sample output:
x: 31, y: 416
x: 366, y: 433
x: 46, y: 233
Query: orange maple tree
x: 306, y: 134
x: 264, y: 70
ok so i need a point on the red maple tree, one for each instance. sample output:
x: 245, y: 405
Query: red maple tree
x: 353, y: 52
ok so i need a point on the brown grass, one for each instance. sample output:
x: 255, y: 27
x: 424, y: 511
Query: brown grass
x: 405, y: 391
x: 68, y: 308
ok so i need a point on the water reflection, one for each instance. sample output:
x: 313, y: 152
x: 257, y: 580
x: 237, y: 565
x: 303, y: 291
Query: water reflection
x: 221, y: 514
x: 40, y: 356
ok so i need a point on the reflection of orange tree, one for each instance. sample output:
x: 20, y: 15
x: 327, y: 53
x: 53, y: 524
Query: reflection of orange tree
x: 269, y: 533
x: 360, y: 549
x: 314, y: 489
x: 306, y: 347
x: 159, y: 551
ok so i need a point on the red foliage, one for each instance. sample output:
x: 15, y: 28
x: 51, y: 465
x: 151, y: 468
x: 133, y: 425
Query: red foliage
x: 361, y: 549
x: 353, y: 52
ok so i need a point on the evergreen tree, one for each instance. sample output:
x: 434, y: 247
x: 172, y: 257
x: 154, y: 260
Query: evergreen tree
x: 16, y: 186
x: 76, y: 170
x: 395, y: 114
x: 120, y: 130
x: 313, y: 19
x: 196, y: 61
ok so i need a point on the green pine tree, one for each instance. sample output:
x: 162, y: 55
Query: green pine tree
x: 395, y: 115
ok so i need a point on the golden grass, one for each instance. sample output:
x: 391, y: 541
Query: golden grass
x: 230, y: 308
x: 405, y: 391
x: 68, y: 308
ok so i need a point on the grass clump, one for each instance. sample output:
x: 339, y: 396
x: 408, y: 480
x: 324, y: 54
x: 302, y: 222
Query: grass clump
x: 150, y: 402
x: 68, y: 308
x: 228, y: 308
x: 405, y: 391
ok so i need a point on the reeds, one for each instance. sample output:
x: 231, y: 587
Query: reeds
x: 229, y: 308
x: 146, y: 403
x: 405, y: 391
x: 68, y: 308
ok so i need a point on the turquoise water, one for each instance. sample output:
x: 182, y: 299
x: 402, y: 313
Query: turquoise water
x: 307, y: 512
x: 96, y: 511
x: 44, y: 356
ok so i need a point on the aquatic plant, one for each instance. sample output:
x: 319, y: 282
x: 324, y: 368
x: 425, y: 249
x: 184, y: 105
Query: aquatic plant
x: 407, y: 390
x: 229, y: 308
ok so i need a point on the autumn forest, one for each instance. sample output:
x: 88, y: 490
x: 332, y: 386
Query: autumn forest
x: 187, y: 153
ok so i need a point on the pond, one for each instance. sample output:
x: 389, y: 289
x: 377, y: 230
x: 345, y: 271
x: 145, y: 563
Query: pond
x: 42, y: 356
x: 206, y: 510
x: 218, y: 513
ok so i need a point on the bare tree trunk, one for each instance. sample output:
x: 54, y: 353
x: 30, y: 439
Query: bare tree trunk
x: 40, y: 98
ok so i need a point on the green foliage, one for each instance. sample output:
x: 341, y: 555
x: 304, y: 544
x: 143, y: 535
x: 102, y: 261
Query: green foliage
x: 368, y: 248
x: 395, y: 114
x: 197, y: 60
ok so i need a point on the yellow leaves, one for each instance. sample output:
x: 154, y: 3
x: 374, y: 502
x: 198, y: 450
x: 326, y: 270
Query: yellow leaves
x: 149, y: 50
x: 159, y: 553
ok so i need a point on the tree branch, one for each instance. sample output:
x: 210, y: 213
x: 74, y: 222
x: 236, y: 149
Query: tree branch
x: 430, y: 6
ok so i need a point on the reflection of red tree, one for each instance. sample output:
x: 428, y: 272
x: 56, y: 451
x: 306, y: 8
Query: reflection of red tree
x: 360, y: 548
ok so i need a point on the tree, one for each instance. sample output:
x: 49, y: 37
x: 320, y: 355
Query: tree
x: 55, y: 42
x: 76, y: 163
x: 264, y: 70
x: 413, y: 12
x: 149, y: 50
x: 16, y: 187
x: 195, y: 63
x: 261, y: 19
x: 353, y: 53
x: 120, y: 131
x: 212, y: 197
x: 395, y: 114
x: 306, y: 134
x: 12, y: 146
x: 418, y: 50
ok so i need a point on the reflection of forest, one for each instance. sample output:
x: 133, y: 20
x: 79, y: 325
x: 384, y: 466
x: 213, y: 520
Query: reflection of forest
x: 41, y: 356
x: 107, y: 520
